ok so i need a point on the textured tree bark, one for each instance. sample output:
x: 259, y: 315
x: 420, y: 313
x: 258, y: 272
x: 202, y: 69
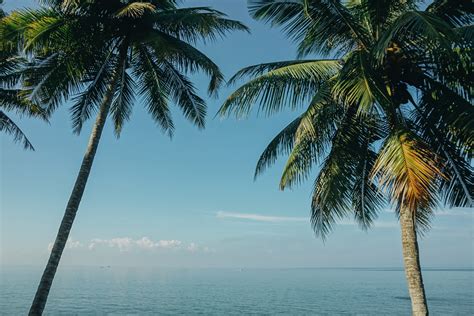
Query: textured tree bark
x: 44, y: 286
x: 411, y: 258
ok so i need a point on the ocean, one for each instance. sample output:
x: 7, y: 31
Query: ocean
x: 147, y: 291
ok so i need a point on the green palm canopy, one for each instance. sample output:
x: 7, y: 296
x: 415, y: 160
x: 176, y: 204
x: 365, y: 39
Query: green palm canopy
x: 392, y: 97
x: 144, y: 49
x: 387, y: 114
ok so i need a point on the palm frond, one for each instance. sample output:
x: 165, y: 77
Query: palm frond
x: 282, y: 144
x: 122, y: 104
x: 313, y: 137
x: 135, y: 10
x: 334, y: 185
x: 455, y: 12
x: 367, y: 200
x: 316, y: 124
x: 356, y: 83
x: 9, y: 127
x: 150, y: 80
x: 97, y: 81
x: 32, y: 28
x: 290, y: 84
x: 323, y: 26
x: 183, y: 92
x: 333, y: 29
x: 194, y: 24
x: 416, y: 26
x: 447, y: 111
x: 186, y: 57
x: 380, y: 13
x: 433, y: 125
x: 409, y: 171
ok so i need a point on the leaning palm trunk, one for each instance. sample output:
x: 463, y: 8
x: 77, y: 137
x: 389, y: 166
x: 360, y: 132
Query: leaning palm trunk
x: 42, y: 292
x: 411, y: 258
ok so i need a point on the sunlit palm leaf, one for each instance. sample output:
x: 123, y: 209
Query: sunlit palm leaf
x: 135, y: 9
x: 408, y: 171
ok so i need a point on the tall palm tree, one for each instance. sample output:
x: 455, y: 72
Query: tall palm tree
x: 11, y: 97
x: 388, y: 117
x: 103, y: 53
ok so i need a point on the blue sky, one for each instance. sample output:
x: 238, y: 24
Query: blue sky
x: 191, y: 201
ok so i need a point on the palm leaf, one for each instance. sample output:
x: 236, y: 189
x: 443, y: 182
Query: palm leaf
x: 9, y: 127
x: 456, y: 12
x: 150, y: 79
x: 97, y: 81
x: 135, y: 10
x: 183, y: 92
x: 193, y: 24
x: 319, y: 26
x: 334, y: 185
x: 418, y: 27
x: 122, y: 104
x: 185, y: 56
x: 408, y: 171
x: 291, y: 84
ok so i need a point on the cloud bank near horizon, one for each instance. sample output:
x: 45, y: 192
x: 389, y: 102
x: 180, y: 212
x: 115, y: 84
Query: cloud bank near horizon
x: 124, y: 244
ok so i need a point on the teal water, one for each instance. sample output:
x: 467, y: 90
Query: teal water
x: 124, y: 291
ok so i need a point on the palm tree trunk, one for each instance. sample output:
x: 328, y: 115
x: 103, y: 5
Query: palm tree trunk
x: 411, y: 258
x: 42, y: 292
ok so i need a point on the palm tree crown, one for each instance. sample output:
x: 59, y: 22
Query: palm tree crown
x: 389, y: 110
x: 142, y: 48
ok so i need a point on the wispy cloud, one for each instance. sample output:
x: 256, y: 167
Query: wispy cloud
x: 259, y: 218
x: 280, y: 219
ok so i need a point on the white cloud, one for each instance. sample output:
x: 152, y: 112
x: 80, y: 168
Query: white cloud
x: 168, y: 243
x: 123, y: 243
x: 145, y: 243
x: 260, y: 218
x: 70, y: 244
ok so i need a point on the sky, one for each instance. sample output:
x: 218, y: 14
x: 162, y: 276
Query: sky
x: 191, y: 201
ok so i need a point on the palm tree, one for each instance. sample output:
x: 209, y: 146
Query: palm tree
x: 104, y: 53
x: 11, y: 97
x: 388, y: 114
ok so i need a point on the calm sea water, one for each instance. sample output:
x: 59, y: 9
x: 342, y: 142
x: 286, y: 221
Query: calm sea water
x: 123, y: 291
